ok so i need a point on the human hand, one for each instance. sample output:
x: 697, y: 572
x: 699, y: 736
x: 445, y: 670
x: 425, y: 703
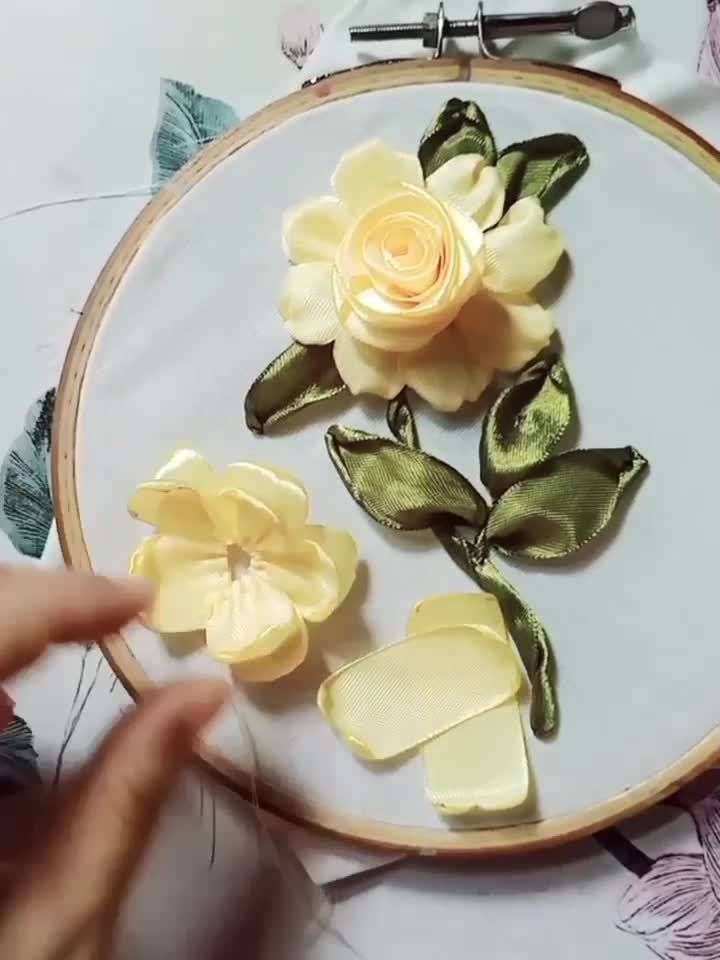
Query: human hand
x: 66, y: 895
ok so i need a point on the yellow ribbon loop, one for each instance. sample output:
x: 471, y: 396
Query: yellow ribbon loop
x: 450, y: 689
x: 397, y: 698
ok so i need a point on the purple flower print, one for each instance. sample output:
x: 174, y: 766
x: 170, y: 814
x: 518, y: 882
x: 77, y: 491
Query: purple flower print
x: 709, y: 64
x: 673, y: 905
x: 300, y: 30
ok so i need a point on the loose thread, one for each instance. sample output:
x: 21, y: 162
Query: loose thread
x: 87, y: 198
x: 282, y: 860
x: 75, y: 720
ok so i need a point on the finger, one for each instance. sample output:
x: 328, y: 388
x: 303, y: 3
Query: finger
x: 40, y: 607
x: 78, y: 880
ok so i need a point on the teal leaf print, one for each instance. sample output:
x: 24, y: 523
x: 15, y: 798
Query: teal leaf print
x: 187, y: 121
x: 26, y: 508
x: 18, y: 759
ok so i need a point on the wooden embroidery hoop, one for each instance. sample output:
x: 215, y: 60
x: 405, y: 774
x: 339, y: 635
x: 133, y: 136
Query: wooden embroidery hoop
x: 588, y: 88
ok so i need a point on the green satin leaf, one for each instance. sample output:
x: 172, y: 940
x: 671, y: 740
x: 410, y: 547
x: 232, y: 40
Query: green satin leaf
x: 401, y: 421
x: 544, y: 167
x: 525, y: 425
x: 299, y: 377
x: 402, y: 488
x: 524, y: 625
x: 563, y: 503
x: 460, y: 127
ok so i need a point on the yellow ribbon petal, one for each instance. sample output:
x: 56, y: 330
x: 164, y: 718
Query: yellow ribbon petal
x: 503, y: 332
x: 313, y: 230
x: 481, y: 764
x: 365, y: 369
x: 304, y: 573
x: 397, y: 698
x: 172, y: 509
x: 307, y: 305
x: 251, y: 620
x: 188, y: 575
x: 522, y: 250
x: 280, y: 491
x: 277, y: 664
x: 372, y: 171
x: 443, y: 374
x: 342, y: 549
x: 472, y: 185
x: 186, y: 467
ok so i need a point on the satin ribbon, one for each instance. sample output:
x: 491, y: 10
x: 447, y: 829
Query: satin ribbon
x: 299, y: 377
x: 459, y: 128
x: 555, y: 505
x: 544, y: 167
x: 451, y: 689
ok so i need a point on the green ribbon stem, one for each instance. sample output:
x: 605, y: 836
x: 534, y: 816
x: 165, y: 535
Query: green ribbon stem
x: 524, y: 625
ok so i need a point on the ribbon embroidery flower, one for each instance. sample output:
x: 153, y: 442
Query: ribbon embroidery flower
x: 451, y: 689
x: 233, y: 555
x: 418, y: 281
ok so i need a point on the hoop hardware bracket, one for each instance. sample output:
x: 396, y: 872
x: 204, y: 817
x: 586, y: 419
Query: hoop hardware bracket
x: 595, y: 21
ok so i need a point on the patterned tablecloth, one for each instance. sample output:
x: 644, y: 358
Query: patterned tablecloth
x: 104, y: 102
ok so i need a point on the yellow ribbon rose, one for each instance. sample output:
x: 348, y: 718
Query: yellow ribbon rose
x: 415, y: 281
x: 233, y: 555
x: 451, y: 689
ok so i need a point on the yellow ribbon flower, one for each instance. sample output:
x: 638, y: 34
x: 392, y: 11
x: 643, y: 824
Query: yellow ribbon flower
x: 451, y: 689
x: 416, y: 282
x: 234, y: 555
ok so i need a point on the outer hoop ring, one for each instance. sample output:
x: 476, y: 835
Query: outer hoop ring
x: 587, y: 88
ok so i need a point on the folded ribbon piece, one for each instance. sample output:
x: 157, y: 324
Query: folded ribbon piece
x: 450, y: 689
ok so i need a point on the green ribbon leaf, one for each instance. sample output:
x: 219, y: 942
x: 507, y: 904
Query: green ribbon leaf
x: 545, y: 167
x: 401, y: 488
x: 401, y: 421
x: 299, y: 377
x: 523, y: 624
x: 564, y: 503
x: 460, y: 127
x: 526, y: 424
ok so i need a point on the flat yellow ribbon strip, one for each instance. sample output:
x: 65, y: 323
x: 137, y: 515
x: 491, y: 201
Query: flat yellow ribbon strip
x: 398, y: 698
x: 482, y: 763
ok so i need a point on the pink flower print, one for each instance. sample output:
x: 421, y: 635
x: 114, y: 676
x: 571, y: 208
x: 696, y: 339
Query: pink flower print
x: 709, y: 65
x: 300, y: 30
x: 674, y: 910
x: 674, y: 904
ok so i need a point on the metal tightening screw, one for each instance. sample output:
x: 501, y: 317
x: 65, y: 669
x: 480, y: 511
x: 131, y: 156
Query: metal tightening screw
x: 596, y: 21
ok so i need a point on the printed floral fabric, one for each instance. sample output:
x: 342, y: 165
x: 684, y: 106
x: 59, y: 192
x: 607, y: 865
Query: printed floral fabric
x: 674, y: 904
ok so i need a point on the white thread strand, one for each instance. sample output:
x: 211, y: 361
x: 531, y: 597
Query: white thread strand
x: 285, y: 861
x: 68, y: 201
